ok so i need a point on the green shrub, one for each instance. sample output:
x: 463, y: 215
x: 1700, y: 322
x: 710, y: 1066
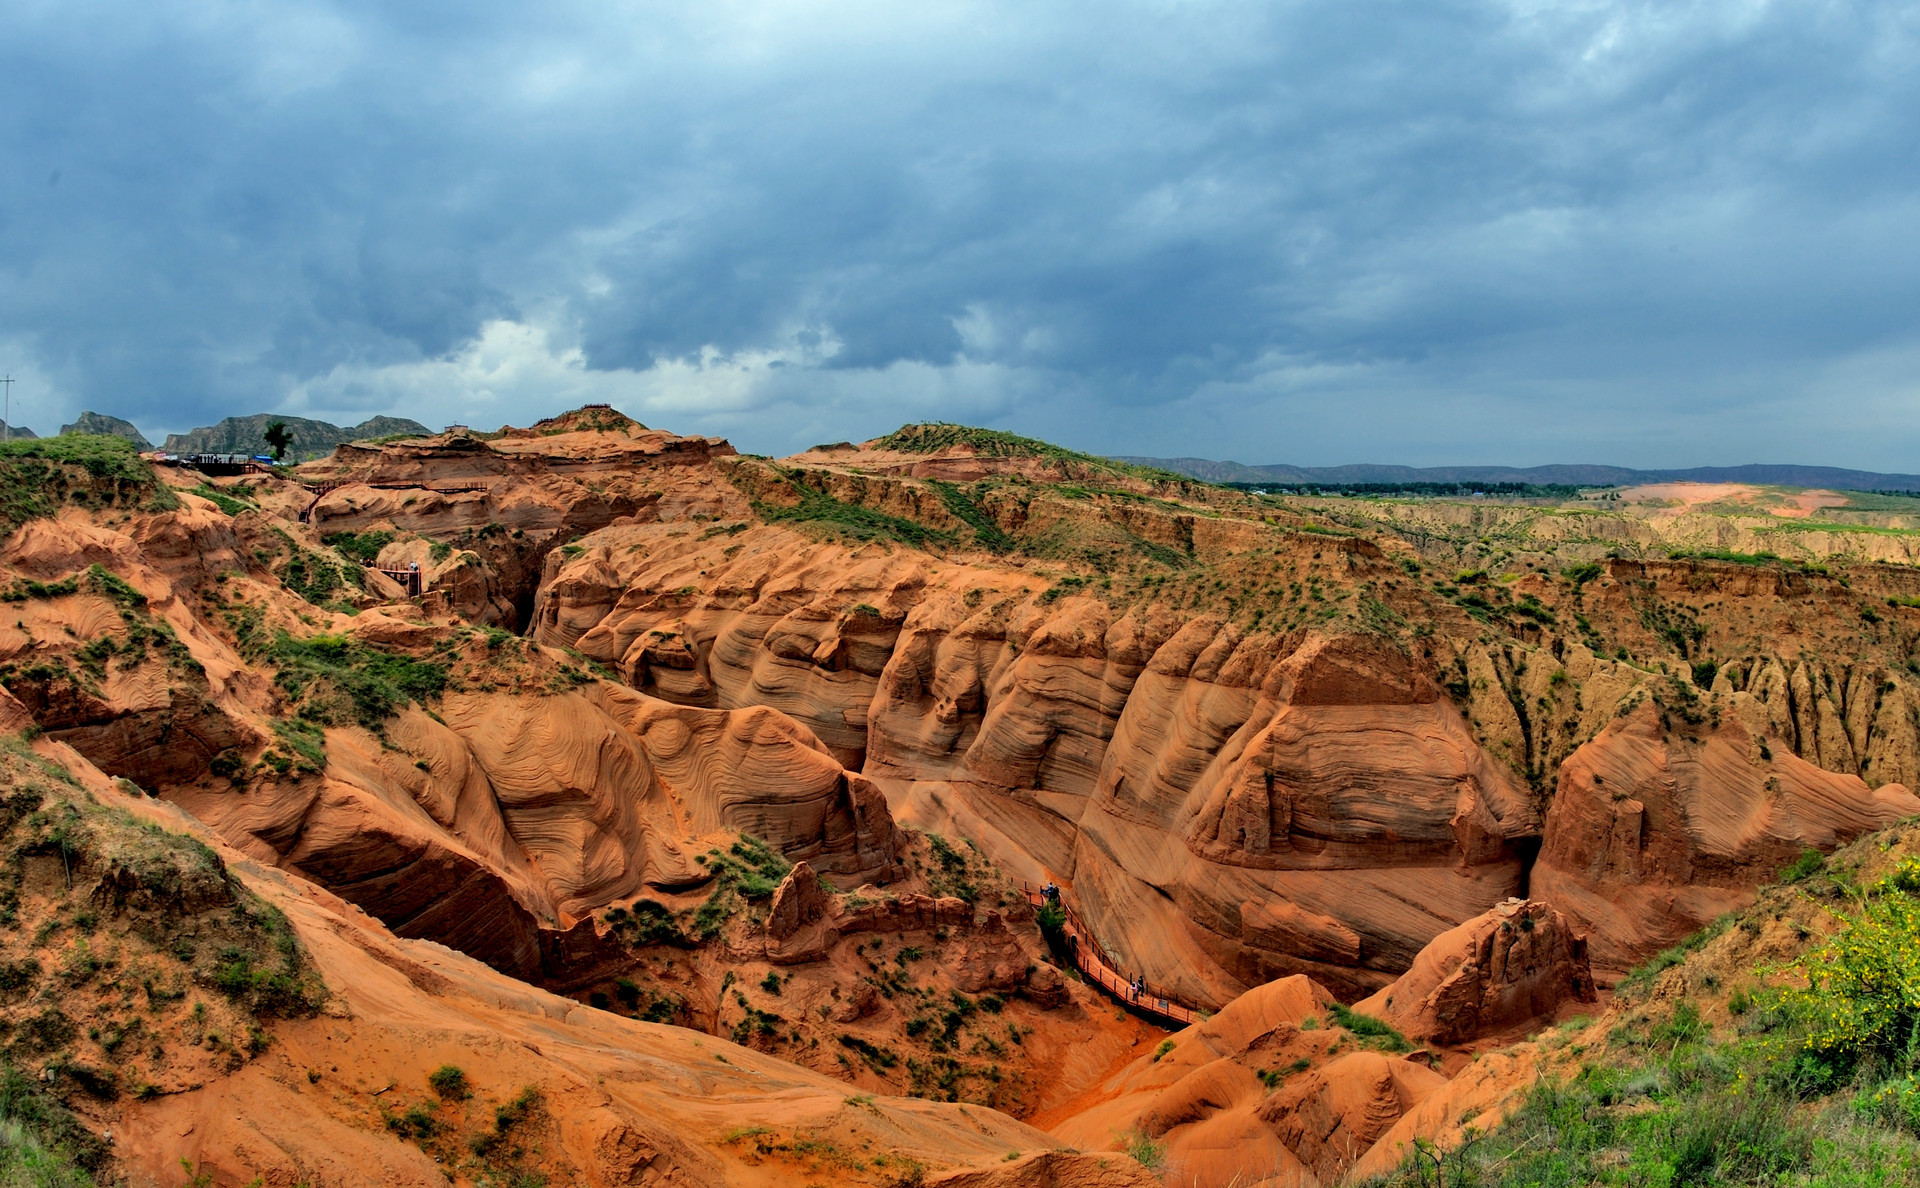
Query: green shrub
x: 647, y: 923
x: 1808, y: 864
x: 286, y: 992
x: 359, y: 546
x: 1374, y: 1033
x: 1863, y: 986
x: 450, y: 1082
x: 749, y: 870
x: 334, y: 679
x: 966, y: 508
x: 39, y: 476
x: 1148, y: 1153
x: 223, y: 500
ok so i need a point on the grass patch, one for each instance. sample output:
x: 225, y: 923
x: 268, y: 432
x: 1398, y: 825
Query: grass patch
x: 1811, y: 862
x: 358, y: 546
x: 1374, y: 1033
x: 1640, y: 978
x: 849, y: 519
x: 1728, y: 555
x: 42, y: 1144
x: 95, y: 471
x: 748, y: 871
x: 228, y: 504
x: 966, y: 507
x: 1817, y: 1085
x: 332, y: 679
x: 934, y: 436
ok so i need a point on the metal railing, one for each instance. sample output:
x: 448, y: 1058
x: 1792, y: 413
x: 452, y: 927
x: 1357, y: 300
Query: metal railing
x: 1099, y: 967
x: 411, y: 580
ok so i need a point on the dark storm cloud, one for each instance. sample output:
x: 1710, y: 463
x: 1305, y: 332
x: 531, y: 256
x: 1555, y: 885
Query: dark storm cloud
x: 1654, y: 234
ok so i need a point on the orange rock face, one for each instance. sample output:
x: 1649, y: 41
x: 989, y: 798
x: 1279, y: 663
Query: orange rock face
x: 1651, y: 837
x: 1205, y: 1095
x: 1228, y: 807
x: 528, y: 813
x: 1054, y: 1169
x: 1512, y: 966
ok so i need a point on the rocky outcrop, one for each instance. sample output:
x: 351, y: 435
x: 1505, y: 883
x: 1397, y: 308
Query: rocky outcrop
x: 1653, y: 834
x: 101, y: 423
x: 797, y: 921
x: 807, y: 631
x: 1205, y: 1096
x: 798, y: 902
x: 515, y: 816
x: 1054, y: 1169
x: 1502, y: 970
x: 1285, y: 795
x: 1330, y: 1117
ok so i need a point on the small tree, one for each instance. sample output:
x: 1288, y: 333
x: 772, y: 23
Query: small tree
x: 278, y: 439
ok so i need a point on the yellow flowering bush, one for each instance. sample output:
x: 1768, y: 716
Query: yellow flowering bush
x: 1863, y: 987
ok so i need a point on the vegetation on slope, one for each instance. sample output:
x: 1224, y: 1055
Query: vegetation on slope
x: 1755, y: 1053
x: 748, y: 871
x: 333, y: 680
x: 131, y: 963
x: 40, y: 476
x: 934, y: 436
x: 851, y: 520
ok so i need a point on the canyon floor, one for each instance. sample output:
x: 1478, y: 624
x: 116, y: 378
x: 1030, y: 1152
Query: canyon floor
x: 685, y: 827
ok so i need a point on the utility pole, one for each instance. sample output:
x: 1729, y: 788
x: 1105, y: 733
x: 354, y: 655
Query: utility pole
x: 6, y: 434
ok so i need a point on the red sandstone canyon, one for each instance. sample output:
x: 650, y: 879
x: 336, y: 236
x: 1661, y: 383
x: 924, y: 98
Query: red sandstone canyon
x: 697, y: 810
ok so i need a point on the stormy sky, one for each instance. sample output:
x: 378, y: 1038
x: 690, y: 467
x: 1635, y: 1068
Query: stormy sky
x: 1657, y: 234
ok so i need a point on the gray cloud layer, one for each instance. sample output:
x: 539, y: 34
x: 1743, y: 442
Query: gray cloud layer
x: 1653, y: 234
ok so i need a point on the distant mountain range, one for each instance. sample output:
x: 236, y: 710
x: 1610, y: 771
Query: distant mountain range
x: 1763, y: 474
x: 309, y: 439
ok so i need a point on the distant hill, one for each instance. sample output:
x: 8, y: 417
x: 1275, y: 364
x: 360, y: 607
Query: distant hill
x: 1764, y: 474
x: 18, y: 432
x: 310, y: 439
x: 101, y: 423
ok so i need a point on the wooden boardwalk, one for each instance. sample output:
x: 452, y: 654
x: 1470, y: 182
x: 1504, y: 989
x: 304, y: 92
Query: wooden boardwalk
x: 1098, y: 967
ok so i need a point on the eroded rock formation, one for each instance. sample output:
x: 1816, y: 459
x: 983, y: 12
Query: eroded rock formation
x: 1512, y: 966
x: 1653, y: 835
